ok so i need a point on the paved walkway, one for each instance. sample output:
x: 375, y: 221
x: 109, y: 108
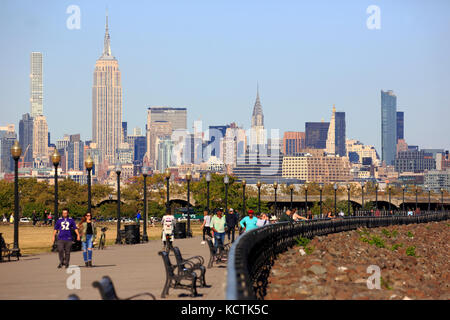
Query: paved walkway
x: 133, y: 269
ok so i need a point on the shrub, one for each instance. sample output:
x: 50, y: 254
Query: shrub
x: 411, y: 251
x: 302, y: 242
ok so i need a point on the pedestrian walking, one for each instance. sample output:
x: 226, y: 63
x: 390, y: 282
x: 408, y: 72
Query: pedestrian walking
x: 64, y: 227
x: 138, y: 216
x: 249, y: 222
x: 218, y: 226
x: 88, y: 232
x: 262, y: 220
x: 232, y: 221
x: 34, y: 218
x: 206, y: 225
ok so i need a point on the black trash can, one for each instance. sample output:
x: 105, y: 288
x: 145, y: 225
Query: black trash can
x: 180, y: 230
x: 76, y: 245
x: 132, y: 233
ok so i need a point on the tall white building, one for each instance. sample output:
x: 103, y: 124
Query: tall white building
x: 257, y: 131
x: 36, y: 85
x: 107, y: 103
x: 331, y: 138
x: 40, y: 140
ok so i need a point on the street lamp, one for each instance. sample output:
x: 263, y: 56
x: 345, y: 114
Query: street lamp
x: 16, y: 151
x: 429, y: 197
x: 258, y: 184
x: 442, y: 199
x: 118, y: 170
x: 362, y: 195
x: 389, y: 189
x: 403, y: 197
x: 320, y: 190
x: 243, y: 195
x: 144, y: 232
x: 291, y: 188
x: 188, y: 180
x: 167, y: 174
x: 376, y: 196
x: 306, y: 199
x: 89, y: 163
x: 208, y: 180
x: 416, y: 195
x: 348, y: 200
x: 55, y: 159
x: 275, y: 187
x: 226, y: 180
x: 335, y: 198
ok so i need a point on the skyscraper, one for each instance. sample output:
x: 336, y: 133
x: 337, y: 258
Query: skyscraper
x: 293, y: 143
x: 7, y: 138
x: 26, y: 138
x: 40, y: 140
x: 36, y: 84
x: 316, y: 134
x: 107, y: 103
x: 257, y: 134
x: 388, y: 126
x: 400, y: 125
x: 340, y: 135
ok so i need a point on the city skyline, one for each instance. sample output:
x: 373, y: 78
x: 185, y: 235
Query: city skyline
x: 280, y: 103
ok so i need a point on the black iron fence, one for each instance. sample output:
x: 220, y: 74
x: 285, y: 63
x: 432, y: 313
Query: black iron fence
x: 253, y: 253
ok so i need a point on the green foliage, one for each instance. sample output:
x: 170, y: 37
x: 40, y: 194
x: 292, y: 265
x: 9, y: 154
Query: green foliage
x: 385, y: 284
x: 309, y: 249
x: 396, y: 246
x: 389, y: 234
x: 373, y: 240
x: 302, y: 242
x: 411, y: 251
x: 410, y: 234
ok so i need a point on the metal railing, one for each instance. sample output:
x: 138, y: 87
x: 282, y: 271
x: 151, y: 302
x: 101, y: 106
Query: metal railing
x: 253, y: 253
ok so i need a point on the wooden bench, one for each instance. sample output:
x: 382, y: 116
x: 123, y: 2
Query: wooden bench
x: 107, y: 291
x: 173, y: 280
x: 217, y: 256
x: 190, y: 265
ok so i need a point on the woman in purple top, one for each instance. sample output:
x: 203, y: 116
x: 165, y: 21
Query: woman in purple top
x: 64, y: 227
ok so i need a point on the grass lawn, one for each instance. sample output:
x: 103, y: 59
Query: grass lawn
x: 38, y: 239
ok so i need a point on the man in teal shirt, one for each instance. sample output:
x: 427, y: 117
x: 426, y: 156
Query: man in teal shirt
x: 249, y: 222
x: 218, y: 226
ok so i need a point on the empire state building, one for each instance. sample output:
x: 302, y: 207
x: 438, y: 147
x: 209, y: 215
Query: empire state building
x: 107, y: 103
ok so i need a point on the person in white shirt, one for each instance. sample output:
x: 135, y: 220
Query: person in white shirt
x: 262, y: 220
x: 206, y: 226
x: 168, y: 223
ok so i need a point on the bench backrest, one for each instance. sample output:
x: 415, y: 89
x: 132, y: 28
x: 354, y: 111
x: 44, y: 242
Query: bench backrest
x: 106, y: 288
x: 2, y: 242
x: 167, y: 264
x: 177, y: 254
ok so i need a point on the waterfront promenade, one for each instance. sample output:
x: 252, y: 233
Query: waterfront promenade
x: 133, y: 269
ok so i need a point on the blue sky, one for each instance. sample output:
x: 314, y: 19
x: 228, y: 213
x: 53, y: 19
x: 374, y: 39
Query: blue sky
x: 209, y: 55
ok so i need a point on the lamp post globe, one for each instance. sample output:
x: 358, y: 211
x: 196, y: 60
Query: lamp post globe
x: 275, y: 187
x: 89, y: 163
x: 335, y: 187
x: 16, y: 152
x: 291, y: 189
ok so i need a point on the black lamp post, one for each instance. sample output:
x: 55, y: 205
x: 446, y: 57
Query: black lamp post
x: 208, y: 180
x: 403, y: 197
x: 118, y: 170
x: 429, y: 197
x: 258, y: 184
x: 55, y: 159
x: 362, y: 195
x: 16, y: 151
x: 335, y: 198
x: 416, y: 196
x: 320, y: 190
x: 442, y: 199
x: 275, y: 187
x: 144, y: 232
x: 89, y: 163
x: 243, y: 195
x: 188, y: 180
x: 376, y: 196
x: 291, y: 188
x: 306, y: 199
x: 167, y: 175
x: 389, y: 190
x: 348, y: 200
x: 226, y: 181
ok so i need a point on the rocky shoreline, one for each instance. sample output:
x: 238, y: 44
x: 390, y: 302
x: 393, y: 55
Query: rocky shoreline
x: 413, y: 261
